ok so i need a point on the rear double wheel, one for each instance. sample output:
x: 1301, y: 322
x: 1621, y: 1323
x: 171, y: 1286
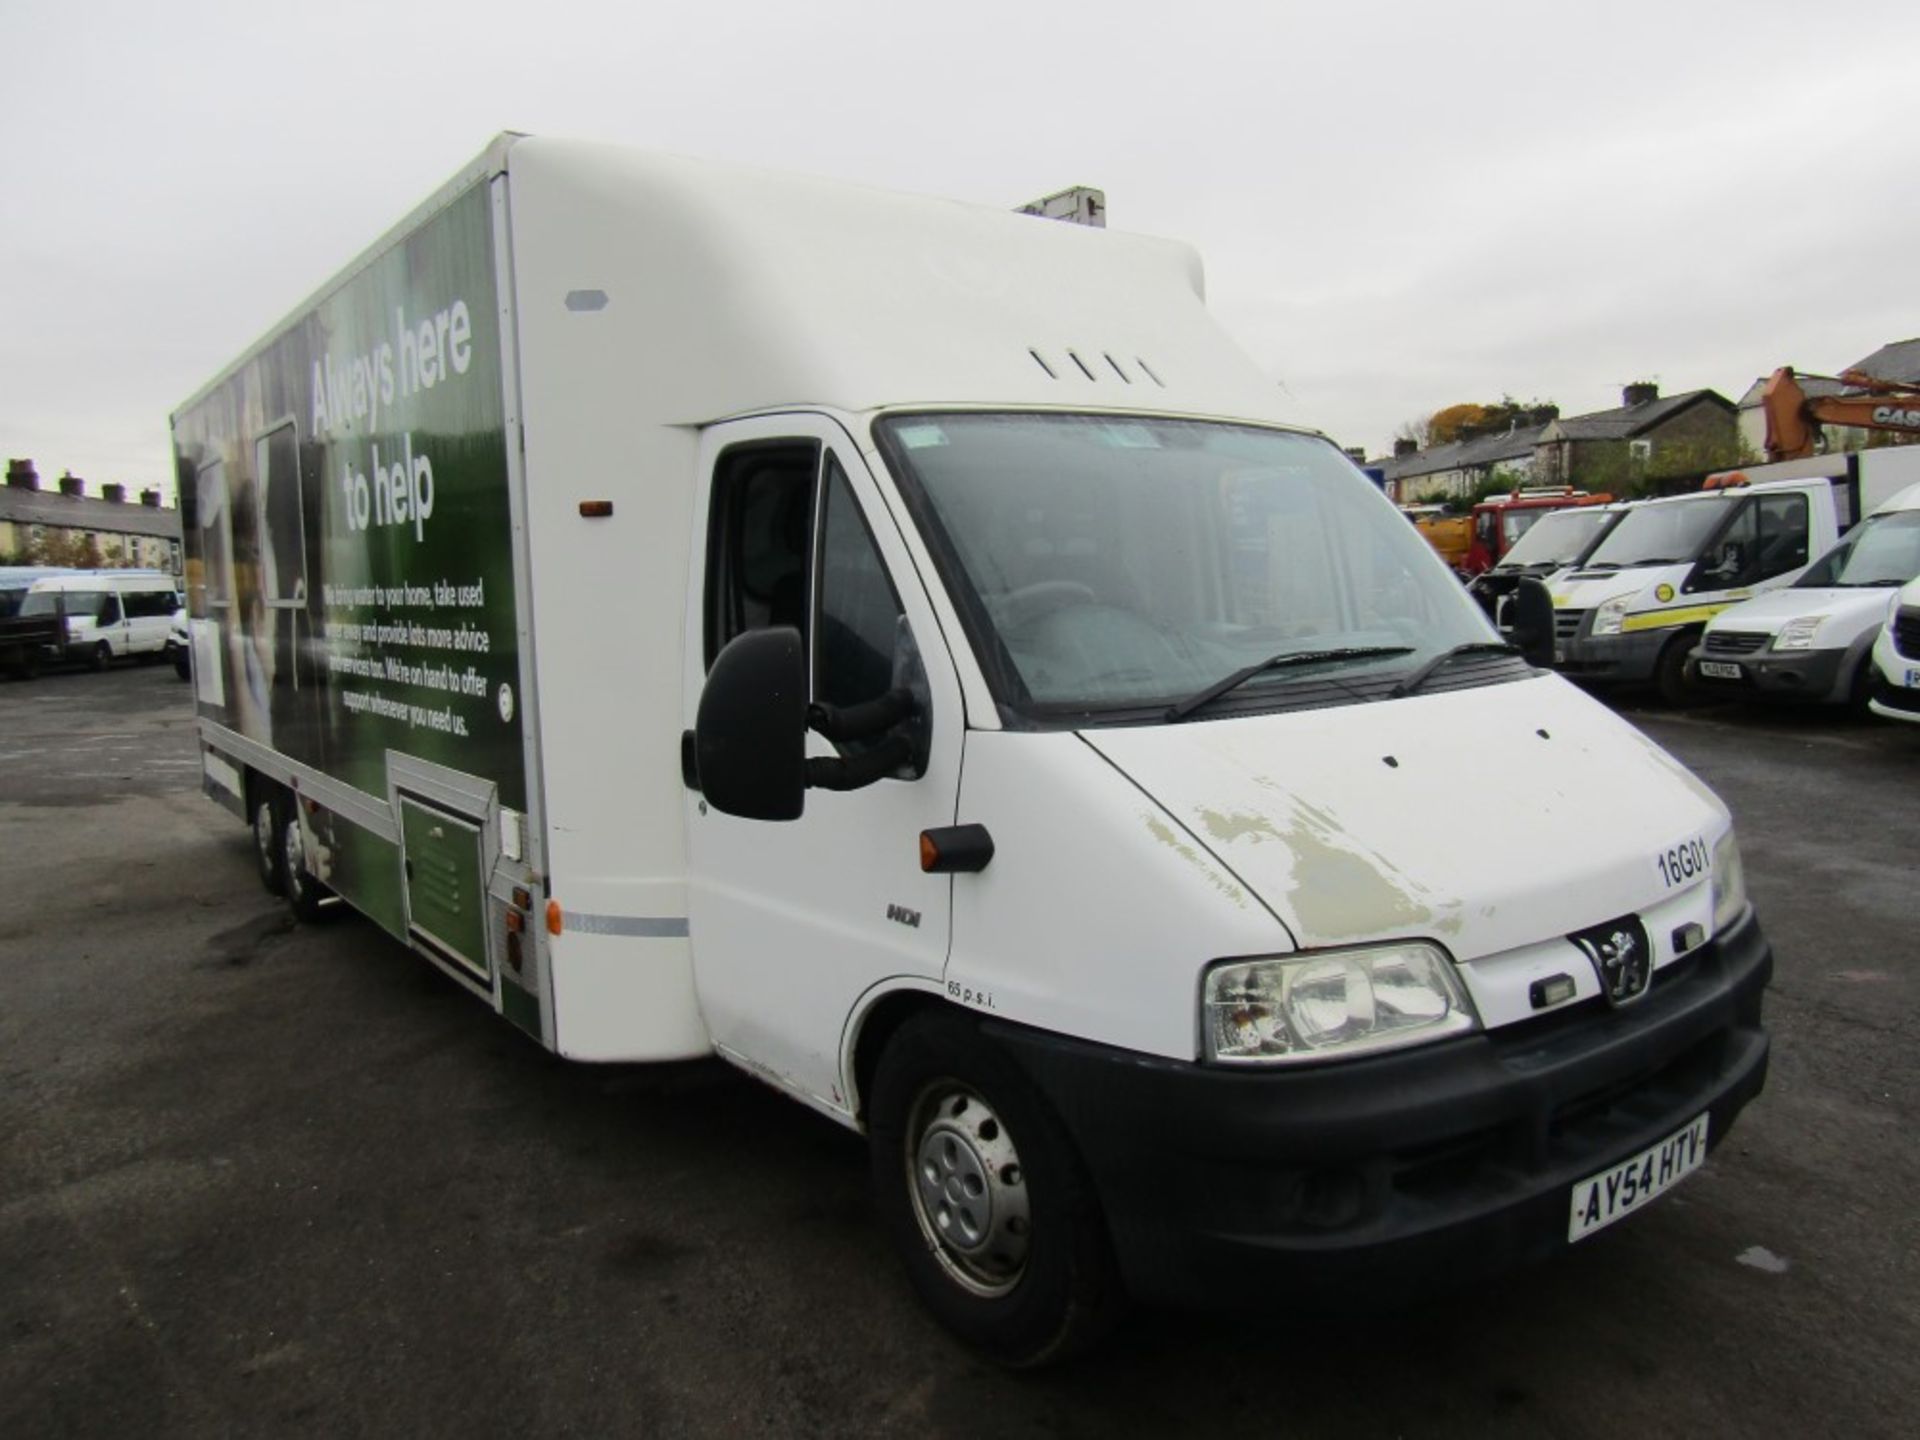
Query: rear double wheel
x: 268, y: 809
x: 306, y: 895
x: 984, y: 1196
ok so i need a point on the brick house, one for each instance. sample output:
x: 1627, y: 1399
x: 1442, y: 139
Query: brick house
x: 1649, y: 437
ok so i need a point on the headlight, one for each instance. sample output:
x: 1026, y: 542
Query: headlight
x: 1611, y: 614
x: 1797, y: 634
x: 1347, y: 1002
x: 1729, y: 883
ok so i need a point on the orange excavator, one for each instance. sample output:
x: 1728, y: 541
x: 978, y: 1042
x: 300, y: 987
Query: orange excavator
x: 1794, y: 418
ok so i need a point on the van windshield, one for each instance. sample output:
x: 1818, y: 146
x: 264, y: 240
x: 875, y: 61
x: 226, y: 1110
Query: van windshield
x: 1883, y: 552
x: 1665, y: 533
x: 1558, y: 537
x: 1121, y: 564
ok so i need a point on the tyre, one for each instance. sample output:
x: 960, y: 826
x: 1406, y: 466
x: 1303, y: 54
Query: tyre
x: 101, y: 657
x: 983, y: 1195
x: 1860, y: 690
x: 1670, y: 671
x: 182, y: 666
x: 305, y: 895
x: 269, y: 837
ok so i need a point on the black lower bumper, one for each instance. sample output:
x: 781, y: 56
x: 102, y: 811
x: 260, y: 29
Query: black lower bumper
x: 1796, y: 675
x: 1368, y: 1181
x: 1622, y: 659
x: 1896, y: 699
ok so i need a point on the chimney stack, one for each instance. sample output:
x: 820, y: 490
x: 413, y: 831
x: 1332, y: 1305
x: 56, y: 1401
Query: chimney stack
x: 72, y: 484
x: 1639, y: 393
x: 1404, y: 447
x: 150, y: 498
x: 22, y: 476
x: 116, y: 493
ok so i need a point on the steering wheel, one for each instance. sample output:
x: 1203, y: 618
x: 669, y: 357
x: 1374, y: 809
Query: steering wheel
x: 1029, y: 603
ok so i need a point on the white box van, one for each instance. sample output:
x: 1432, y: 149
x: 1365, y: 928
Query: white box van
x: 110, y: 614
x: 1813, y: 639
x: 903, y: 648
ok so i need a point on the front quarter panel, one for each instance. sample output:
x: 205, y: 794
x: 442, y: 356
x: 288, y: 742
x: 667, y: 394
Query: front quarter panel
x: 1098, y: 911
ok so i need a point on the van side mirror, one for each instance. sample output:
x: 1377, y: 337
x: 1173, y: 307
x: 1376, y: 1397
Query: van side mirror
x: 750, y: 732
x: 1530, y: 620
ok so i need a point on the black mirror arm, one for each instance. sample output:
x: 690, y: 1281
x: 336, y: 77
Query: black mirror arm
x: 862, y: 770
x: 863, y: 721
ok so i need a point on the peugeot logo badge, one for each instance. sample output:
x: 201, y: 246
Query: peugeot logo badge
x: 1621, y: 956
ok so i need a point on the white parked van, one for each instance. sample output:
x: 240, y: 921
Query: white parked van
x: 1896, y: 659
x: 905, y: 650
x: 1813, y: 639
x: 110, y: 614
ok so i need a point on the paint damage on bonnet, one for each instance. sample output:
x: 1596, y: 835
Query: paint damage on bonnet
x: 1485, y: 819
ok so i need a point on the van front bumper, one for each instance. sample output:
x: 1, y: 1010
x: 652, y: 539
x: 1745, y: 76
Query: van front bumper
x: 1789, y: 674
x: 1356, y: 1183
x: 1625, y: 659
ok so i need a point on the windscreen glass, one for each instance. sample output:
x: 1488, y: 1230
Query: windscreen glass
x: 1884, y: 551
x: 1661, y: 534
x: 1112, y: 563
x: 1557, y: 538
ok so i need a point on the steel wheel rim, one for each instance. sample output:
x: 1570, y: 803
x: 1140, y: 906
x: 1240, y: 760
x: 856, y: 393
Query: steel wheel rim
x: 263, y: 835
x: 968, y: 1189
x: 296, y: 858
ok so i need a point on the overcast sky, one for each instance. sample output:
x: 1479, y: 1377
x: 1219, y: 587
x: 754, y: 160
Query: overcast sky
x: 1400, y: 206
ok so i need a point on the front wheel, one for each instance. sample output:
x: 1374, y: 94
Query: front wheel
x: 101, y: 657
x: 1670, y: 671
x: 305, y: 894
x: 985, y: 1198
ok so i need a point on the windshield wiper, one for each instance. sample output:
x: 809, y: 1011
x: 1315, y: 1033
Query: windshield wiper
x: 1473, y: 647
x: 1183, y: 708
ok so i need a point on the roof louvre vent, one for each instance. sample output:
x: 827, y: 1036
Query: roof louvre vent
x: 1124, y: 377
x: 1043, y: 364
x: 1081, y: 363
x: 1149, y: 372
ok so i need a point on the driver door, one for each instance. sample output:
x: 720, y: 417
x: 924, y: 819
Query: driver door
x: 791, y: 922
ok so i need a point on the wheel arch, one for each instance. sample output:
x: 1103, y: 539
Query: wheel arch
x: 875, y: 1020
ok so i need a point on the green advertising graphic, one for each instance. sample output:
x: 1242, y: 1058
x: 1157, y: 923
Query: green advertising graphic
x: 349, y: 532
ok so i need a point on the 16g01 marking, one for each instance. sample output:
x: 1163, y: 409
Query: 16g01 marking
x: 1684, y: 862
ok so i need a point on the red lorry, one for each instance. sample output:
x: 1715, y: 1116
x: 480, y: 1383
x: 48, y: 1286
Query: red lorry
x: 1500, y: 520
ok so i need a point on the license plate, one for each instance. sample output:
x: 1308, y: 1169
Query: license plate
x: 1913, y: 679
x: 1720, y: 670
x: 1559, y: 656
x: 1601, y: 1199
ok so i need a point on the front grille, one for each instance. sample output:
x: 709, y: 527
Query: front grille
x: 1906, y: 632
x: 1566, y: 623
x: 1734, y: 642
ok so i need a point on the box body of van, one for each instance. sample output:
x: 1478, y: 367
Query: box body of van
x: 902, y: 648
